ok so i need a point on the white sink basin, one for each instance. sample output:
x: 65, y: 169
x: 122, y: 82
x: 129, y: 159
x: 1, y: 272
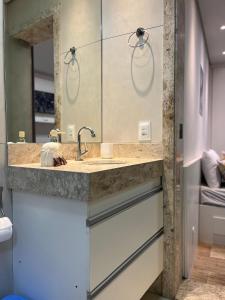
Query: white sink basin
x: 105, y: 162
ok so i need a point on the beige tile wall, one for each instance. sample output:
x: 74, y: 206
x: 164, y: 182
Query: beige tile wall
x: 30, y: 153
x: 125, y: 16
x: 132, y: 79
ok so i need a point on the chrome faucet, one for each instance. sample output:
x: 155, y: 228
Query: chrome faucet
x: 79, y: 150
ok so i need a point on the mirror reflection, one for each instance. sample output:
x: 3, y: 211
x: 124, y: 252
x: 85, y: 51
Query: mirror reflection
x: 48, y: 85
x: 84, y: 63
x: 43, y: 90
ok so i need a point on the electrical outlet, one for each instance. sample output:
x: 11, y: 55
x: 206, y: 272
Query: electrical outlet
x: 70, y: 133
x: 144, y: 131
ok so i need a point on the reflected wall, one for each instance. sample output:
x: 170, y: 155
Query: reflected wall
x: 77, y: 86
x: 132, y: 77
x: 106, y: 85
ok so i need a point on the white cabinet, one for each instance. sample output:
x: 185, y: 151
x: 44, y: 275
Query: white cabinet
x: 113, y: 240
x: 135, y: 280
x: 60, y: 252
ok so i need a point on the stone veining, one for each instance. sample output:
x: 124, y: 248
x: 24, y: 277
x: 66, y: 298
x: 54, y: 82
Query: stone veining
x: 82, y: 182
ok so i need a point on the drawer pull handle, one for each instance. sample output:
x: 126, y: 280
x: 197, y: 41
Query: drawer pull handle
x: 91, y: 295
x: 121, y: 207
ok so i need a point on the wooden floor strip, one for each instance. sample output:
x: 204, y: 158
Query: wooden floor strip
x: 209, y: 265
x: 208, y: 275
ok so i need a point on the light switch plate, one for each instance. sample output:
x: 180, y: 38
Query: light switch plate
x: 144, y: 131
x: 70, y: 133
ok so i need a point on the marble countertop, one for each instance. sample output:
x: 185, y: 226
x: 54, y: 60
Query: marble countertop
x: 92, y: 165
x: 83, y: 180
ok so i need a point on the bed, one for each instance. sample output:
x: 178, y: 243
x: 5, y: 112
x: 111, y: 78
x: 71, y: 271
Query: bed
x: 212, y: 215
x: 212, y: 196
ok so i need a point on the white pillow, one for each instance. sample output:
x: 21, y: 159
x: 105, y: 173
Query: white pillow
x: 210, y: 168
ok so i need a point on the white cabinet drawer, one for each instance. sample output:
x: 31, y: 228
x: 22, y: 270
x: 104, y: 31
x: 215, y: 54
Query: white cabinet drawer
x: 136, y: 279
x: 113, y: 240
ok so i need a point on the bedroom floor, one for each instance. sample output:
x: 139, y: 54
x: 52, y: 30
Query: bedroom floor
x: 209, y: 265
x: 208, y: 275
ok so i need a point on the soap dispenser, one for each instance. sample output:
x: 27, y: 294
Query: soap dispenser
x: 51, y: 153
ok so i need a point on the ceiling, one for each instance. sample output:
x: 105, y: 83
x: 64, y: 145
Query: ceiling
x: 213, y: 17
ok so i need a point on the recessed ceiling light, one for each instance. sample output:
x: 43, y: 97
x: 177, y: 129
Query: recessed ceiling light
x: 223, y: 52
x: 222, y: 27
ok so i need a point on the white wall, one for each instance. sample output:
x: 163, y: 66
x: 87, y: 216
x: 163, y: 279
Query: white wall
x: 5, y: 248
x: 196, y: 127
x: 192, y: 175
x: 45, y: 84
x: 132, y: 79
x: 218, y: 109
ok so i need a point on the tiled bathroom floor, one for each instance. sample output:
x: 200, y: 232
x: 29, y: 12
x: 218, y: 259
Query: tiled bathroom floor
x: 153, y: 297
x: 156, y: 297
x: 193, y: 290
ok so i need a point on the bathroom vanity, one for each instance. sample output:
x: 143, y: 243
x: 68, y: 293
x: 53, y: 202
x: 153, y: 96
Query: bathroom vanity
x: 91, y: 230
x: 88, y: 230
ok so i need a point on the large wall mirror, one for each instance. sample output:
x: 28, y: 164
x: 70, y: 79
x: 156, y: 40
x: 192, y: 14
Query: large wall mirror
x: 75, y: 63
